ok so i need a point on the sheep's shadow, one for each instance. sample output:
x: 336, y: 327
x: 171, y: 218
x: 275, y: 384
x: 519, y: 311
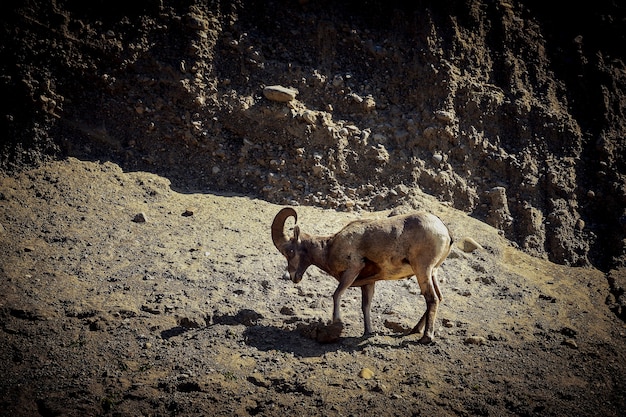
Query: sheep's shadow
x: 272, y: 338
x: 302, y: 339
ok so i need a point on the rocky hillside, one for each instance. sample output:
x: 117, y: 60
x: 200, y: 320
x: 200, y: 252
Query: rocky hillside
x: 508, y: 110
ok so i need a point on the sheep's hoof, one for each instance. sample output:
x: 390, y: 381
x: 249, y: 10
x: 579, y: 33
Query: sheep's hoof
x: 426, y: 340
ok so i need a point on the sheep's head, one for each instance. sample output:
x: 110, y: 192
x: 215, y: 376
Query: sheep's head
x: 291, y: 248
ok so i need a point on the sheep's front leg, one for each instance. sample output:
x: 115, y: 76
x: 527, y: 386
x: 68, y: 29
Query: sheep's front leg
x: 347, y: 279
x: 367, y: 293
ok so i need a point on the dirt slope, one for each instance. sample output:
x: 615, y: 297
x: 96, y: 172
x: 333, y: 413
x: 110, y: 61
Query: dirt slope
x: 185, y: 314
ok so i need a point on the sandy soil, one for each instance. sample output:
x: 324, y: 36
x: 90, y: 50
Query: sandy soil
x: 186, y: 314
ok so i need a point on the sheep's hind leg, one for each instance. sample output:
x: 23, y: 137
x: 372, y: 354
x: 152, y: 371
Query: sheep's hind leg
x: 426, y: 324
x: 367, y: 293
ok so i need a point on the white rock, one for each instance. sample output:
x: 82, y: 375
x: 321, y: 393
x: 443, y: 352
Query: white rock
x: 279, y: 93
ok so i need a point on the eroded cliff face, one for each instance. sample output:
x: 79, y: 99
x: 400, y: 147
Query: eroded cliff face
x: 501, y: 109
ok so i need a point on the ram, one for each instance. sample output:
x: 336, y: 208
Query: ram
x: 366, y: 251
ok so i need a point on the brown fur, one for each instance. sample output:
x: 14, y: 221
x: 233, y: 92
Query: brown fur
x: 366, y: 251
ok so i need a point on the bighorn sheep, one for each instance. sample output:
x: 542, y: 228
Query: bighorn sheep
x: 366, y: 251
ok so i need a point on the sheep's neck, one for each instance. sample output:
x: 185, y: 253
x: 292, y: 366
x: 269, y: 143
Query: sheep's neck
x: 318, y: 256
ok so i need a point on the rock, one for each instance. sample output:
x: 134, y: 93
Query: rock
x: 475, y: 340
x: 444, y: 116
x: 569, y: 332
x: 310, y: 117
x: 468, y: 245
x: 192, y: 320
x: 140, y: 218
x: 447, y: 323
x: 279, y: 93
x: 437, y: 158
x: 366, y: 373
x: 395, y: 326
x: 330, y: 333
x: 368, y: 104
x: 188, y: 212
x: 499, y: 214
x: 32, y: 313
x: 287, y: 311
x: 571, y: 343
x: 248, y: 317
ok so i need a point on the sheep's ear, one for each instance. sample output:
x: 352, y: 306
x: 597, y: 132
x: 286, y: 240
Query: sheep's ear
x: 296, y: 233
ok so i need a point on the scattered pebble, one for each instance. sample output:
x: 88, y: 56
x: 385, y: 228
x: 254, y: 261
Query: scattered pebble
x: 140, y: 218
x: 287, y: 311
x: 571, y: 343
x: 447, y: 323
x: 468, y: 245
x: 366, y: 373
x: 395, y: 326
x: 475, y: 340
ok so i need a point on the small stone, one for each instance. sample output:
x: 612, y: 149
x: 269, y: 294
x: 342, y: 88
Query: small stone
x: 437, y: 158
x: 569, y: 332
x: 395, y: 326
x: 287, y: 311
x: 309, y: 117
x: 279, y: 93
x: 447, y: 323
x: 468, y: 245
x: 475, y: 340
x: 571, y: 343
x: 188, y: 212
x: 366, y: 373
x: 140, y: 218
x: 330, y: 333
x: 444, y: 116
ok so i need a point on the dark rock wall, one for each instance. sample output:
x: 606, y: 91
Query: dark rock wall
x: 507, y: 110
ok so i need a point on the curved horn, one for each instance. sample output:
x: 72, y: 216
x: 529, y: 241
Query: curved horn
x: 278, y: 226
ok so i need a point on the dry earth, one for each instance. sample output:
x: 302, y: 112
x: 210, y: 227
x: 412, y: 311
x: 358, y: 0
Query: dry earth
x: 185, y: 314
